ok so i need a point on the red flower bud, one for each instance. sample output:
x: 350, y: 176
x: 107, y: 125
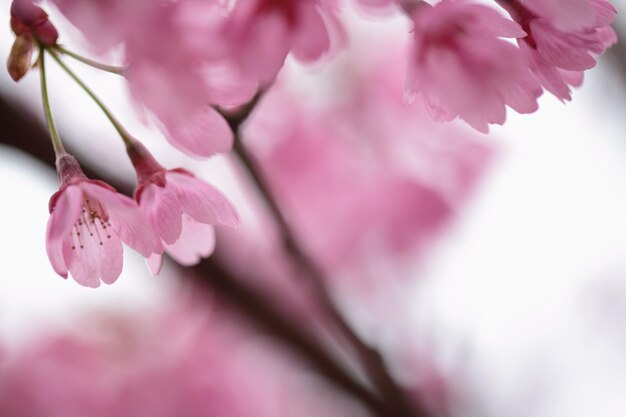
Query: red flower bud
x: 19, y: 61
x: 26, y: 17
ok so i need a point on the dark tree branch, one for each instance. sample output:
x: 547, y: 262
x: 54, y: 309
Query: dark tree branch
x: 394, y: 397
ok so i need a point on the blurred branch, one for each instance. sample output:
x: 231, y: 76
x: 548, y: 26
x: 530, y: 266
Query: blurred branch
x: 395, y: 399
x: 21, y: 133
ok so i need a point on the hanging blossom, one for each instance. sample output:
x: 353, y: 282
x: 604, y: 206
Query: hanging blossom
x: 88, y: 222
x: 563, y: 38
x: 464, y: 68
x: 177, y: 63
x: 181, y: 208
x: 262, y: 33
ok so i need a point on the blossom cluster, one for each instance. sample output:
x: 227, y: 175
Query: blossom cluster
x: 190, y: 62
x: 462, y: 65
x: 173, y: 211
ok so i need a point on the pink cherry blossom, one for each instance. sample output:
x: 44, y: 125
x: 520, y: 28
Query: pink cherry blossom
x: 177, y: 63
x: 348, y: 204
x: 559, y: 50
x: 263, y: 32
x: 464, y: 69
x: 89, y: 221
x: 181, y: 208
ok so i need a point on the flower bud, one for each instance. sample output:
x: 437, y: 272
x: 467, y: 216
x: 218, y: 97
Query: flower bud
x: 29, y: 18
x: 19, y: 61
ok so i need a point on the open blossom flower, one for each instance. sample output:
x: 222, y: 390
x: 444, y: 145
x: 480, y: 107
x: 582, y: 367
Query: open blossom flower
x: 263, y: 32
x: 181, y: 208
x: 559, y: 50
x: 88, y: 222
x: 464, y: 69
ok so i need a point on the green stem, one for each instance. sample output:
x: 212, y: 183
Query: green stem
x: 95, y: 64
x: 57, y: 144
x: 128, y: 139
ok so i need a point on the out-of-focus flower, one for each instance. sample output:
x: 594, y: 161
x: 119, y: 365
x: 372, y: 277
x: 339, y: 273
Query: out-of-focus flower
x: 349, y: 197
x: 88, y: 222
x: 367, y: 183
x: 563, y: 39
x: 340, y: 203
x: 463, y: 68
x: 192, y: 360
x: 177, y: 63
x: 263, y: 32
x: 181, y: 208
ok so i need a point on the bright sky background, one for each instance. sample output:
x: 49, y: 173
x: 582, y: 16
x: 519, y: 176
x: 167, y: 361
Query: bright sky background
x: 530, y: 282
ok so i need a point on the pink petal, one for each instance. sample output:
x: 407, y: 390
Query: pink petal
x: 54, y: 249
x: 202, y: 201
x: 60, y: 224
x: 605, y: 12
x: 160, y: 205
x: 202, y: 134
x: 125, y: 217
x: 568, y: 51
x: 608, y: 37
x: 521, y: 98
x: 226, y: 85
x: 312, y: 38
x: 567, y: 15
x: 154, y: 263
x: 197, y: 241
x: 96, y: 258
x: 261, y: 47
x: 573, y: 78
x: 493, y: 23
x: 64, y: 215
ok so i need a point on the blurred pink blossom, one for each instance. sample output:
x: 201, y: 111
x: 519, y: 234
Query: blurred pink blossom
x: 181, y: 208
x: 192, y: 359
x: 463, y: 68
x: 263, y: 32
x: 88, y: 222
x: 558, y: 48
x: 367, y: 183
x: 177, y: 64
x: 363, y: 176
